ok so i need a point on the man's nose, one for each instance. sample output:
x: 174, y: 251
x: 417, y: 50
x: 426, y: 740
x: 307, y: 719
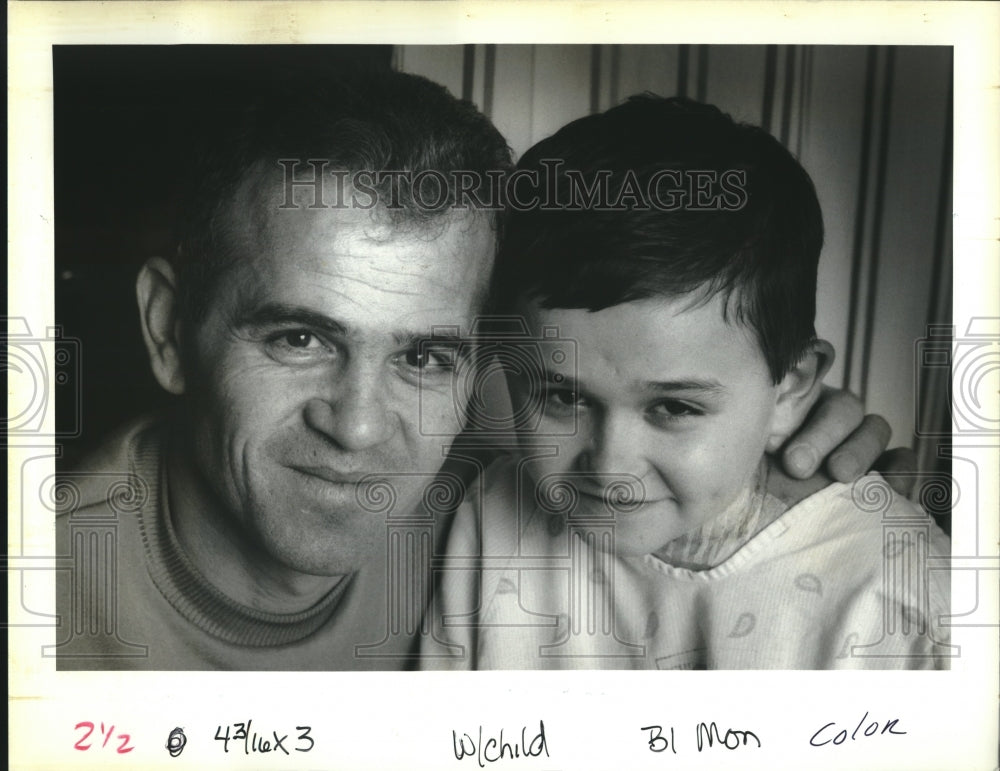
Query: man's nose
x: 354, y: 414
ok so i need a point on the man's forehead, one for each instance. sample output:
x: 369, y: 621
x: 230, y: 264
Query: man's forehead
x: 360, y: 267
x: 264, y: 208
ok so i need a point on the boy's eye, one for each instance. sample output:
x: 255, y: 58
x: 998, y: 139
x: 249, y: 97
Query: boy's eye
x: 564, y: 396
x: 672, y: 409
x: 563, y: 401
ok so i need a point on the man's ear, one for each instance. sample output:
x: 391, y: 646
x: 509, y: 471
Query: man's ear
x: 156, y: 291
x: 798, y: 391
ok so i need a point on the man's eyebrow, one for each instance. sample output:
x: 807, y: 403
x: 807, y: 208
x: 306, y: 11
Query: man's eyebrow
x: 282, y: 314
x: 288, y: 315
x: 435, y: 334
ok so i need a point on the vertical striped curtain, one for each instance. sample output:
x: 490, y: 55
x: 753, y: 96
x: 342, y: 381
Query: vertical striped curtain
x: 873, y: 127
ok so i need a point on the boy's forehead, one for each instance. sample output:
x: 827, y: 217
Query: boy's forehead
x: 654, y: 339
x: 703, y: 306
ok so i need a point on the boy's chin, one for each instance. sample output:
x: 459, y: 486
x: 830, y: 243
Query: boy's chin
x: 640, y: 542
x: 632, y: 550
x: 637, y: 533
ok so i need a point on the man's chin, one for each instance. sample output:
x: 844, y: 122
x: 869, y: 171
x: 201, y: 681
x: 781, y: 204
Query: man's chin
x: 321, y: 556
x: 323, y: 535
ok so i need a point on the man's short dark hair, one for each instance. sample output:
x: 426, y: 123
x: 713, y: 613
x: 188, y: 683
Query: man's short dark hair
x: 757, y: 241
x: 359, y: 119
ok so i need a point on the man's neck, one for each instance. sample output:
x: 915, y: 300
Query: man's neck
x: 230, y: 561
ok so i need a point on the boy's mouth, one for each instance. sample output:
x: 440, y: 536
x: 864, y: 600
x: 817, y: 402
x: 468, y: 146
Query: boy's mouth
x: 616, y: 501
x: 608, y: 495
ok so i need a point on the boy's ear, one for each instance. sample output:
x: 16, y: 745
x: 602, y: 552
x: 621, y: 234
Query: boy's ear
x: 156, y: 292
x: 798, y: 391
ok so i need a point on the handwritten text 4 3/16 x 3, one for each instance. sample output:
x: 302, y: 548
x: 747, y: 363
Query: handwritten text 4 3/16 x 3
x: 247, y: 739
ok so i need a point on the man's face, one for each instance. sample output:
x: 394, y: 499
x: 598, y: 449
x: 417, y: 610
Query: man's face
x: 307, y: 372
x: 669, y: 394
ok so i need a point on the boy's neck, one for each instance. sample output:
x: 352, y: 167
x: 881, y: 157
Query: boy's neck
x: 722, y: 536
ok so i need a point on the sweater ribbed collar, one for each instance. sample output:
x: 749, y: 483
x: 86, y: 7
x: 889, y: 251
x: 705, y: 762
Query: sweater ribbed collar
x: 190, y: 592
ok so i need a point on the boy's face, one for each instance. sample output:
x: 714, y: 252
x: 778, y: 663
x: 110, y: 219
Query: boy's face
x: 667, y: 393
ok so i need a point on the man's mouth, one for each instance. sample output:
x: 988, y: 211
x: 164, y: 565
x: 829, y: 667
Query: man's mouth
x: 342, y: 491
x: 330, y: 475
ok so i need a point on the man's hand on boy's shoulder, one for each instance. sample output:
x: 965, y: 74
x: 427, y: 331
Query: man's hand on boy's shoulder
x: 839, y: 438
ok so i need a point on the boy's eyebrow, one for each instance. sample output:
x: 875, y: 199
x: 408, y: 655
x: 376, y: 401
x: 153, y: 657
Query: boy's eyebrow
x: 686, y: 385
x: 559, y: 378
x: 683, y: 385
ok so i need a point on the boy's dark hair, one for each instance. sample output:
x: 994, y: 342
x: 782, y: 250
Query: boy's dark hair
x: 357, y: 118
x: 755, y: 237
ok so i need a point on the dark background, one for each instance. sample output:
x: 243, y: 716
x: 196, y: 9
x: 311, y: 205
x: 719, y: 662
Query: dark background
x: 124, y: 122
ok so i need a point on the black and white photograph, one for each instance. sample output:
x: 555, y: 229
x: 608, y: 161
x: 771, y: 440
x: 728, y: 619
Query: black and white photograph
x: 434, y: 359
x: 293, y: 496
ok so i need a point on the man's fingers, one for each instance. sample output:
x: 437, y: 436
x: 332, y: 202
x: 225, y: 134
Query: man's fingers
x: 861, y: 449
x: 837, y: 414
x: 899, y: 467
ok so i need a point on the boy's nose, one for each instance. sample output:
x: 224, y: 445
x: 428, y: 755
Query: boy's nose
x: 613, y: 450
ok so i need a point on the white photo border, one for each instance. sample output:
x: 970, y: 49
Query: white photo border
x: 592, y: 719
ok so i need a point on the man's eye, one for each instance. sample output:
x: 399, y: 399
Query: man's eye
x: 296, y: 346
x: 429, y: 359
x: 299, y: 339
